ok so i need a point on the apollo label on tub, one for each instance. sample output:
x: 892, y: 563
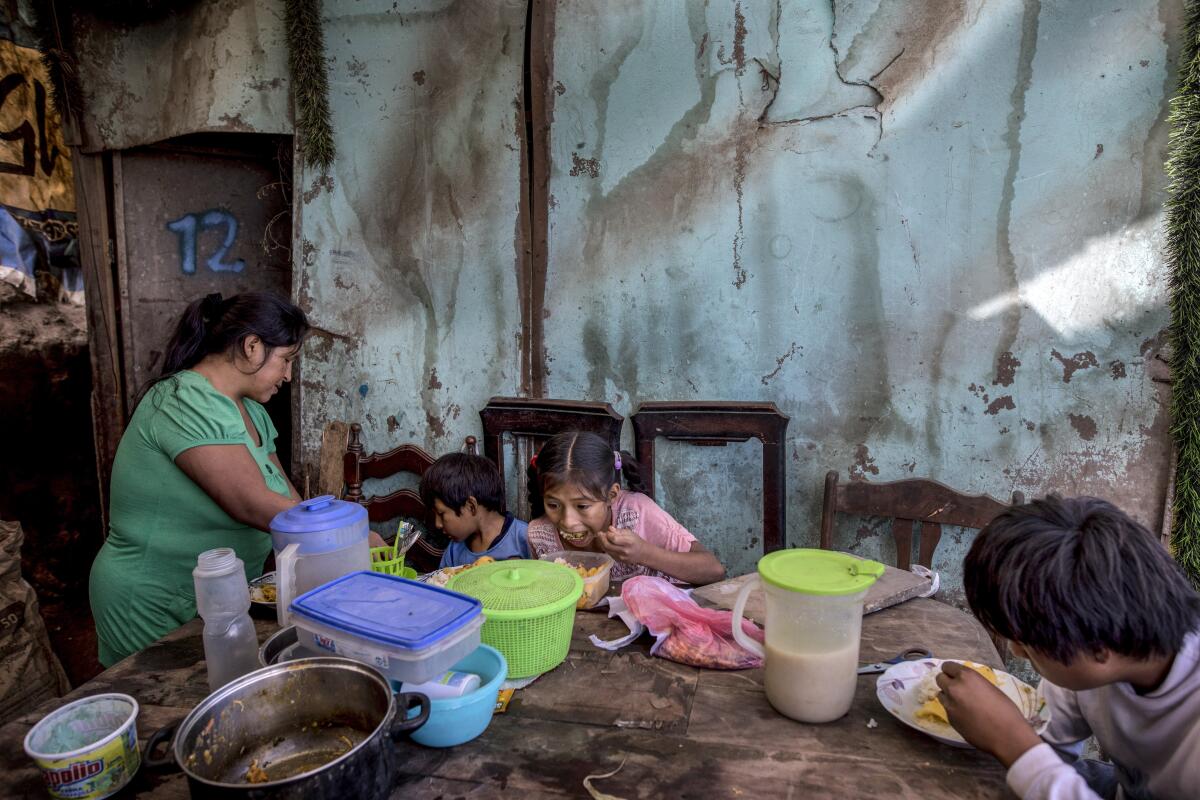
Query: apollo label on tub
x: 96, y: 777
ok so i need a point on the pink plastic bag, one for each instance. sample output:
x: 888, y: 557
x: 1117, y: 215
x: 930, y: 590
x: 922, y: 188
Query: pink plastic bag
x: 686, y: 632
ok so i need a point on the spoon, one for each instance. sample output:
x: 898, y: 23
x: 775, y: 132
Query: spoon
x: 406, y: 537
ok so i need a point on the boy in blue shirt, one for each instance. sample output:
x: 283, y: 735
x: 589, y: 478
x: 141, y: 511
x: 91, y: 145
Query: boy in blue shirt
x: 466, y: 494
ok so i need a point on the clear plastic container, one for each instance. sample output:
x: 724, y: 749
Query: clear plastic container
x: 317, y: 541
x: 409, y: 631
x: 223, y: 601
x: 595, y: 586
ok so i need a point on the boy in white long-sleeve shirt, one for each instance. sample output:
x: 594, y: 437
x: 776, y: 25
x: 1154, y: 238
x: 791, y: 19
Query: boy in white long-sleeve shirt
x: 1108, y: 619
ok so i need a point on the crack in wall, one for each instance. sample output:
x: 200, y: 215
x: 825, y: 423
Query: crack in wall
x: 837, y: 70
x: 775, y: 79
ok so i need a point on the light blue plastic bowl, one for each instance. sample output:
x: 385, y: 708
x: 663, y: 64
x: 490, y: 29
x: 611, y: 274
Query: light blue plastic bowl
x: 456, y: 720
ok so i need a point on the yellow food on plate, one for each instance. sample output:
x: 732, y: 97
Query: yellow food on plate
x: 443, y: 576
x: 928, y: 691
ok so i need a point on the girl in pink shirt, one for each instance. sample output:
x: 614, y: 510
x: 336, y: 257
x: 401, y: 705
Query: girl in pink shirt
x: 578, y: 504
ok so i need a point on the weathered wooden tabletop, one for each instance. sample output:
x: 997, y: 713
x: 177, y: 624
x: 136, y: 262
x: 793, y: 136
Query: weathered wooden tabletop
x: 677, y: 730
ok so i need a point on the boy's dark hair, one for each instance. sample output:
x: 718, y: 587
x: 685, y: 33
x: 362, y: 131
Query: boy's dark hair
x: 582, y: 458
x: 1077, y: 575
x: 456, y: 477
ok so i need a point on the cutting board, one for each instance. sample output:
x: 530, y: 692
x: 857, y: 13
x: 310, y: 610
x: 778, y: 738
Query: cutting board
x: 894, y: 586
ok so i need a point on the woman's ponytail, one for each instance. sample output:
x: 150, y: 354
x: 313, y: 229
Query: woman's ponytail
x: 186, y: 347
x: 215, y: 324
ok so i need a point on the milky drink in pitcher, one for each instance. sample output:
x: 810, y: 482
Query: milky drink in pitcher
x: 813, y: 623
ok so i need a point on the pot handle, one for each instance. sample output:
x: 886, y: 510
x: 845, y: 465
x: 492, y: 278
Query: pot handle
x: 164, y: 735
x: 408, y: 702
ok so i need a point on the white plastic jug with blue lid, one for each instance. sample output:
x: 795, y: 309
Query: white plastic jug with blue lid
x: 317, y: 541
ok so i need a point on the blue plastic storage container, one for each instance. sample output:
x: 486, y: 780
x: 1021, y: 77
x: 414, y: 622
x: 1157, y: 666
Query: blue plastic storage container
x: 409, y: 631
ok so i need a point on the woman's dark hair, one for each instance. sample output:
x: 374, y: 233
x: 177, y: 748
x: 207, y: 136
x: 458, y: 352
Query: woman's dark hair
x: 214, y: 324
x: 456, y: 477
x: 1077, y: 575
x: 584, y: 459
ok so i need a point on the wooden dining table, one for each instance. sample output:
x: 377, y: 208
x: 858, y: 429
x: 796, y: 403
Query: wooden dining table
x: 654, y: 727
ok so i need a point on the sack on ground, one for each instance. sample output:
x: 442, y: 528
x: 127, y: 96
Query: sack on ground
x: 30, y: 673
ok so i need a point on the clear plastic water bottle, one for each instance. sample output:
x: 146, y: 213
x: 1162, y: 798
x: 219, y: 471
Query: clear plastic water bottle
x: 223, y: 601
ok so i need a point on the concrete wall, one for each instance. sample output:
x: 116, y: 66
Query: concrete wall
x: 928, y: 231
x: 409, y: 252
x: 219, y: 65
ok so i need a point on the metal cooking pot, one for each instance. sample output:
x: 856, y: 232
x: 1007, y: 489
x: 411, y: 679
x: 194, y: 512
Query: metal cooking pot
x: 282, y: 646
x: 313, y: 728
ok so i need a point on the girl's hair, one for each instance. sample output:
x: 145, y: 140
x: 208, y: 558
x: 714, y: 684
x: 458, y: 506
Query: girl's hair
x: 1071, y: 576
x: 584, y: 459
x: 214, y: 324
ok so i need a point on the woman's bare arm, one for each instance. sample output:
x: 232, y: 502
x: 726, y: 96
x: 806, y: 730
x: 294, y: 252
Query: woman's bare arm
x: 229, y: 475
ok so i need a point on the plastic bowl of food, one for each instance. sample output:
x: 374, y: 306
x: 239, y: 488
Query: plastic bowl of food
x: 88, y: 748
x: 456, y: 720
x: 594, y: 568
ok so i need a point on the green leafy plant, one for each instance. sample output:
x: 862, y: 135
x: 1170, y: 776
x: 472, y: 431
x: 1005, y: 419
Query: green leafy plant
x: 310, y: 81
x: 1183, y: 259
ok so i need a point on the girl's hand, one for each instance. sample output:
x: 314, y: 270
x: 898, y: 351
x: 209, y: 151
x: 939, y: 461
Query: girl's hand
x: 983, y: 714
x: 375, y: 540
x: 623, y: 545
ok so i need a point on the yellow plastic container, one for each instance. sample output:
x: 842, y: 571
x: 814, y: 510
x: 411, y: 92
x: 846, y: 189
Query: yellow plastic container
x: 87, y: 749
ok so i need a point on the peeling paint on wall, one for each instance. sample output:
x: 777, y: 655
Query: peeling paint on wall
x: 405, y: 256
x: 205, y: 67
x: 910, y: 199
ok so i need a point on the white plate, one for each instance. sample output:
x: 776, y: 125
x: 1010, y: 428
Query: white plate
x: 256, y: 596
x: 897, y: 692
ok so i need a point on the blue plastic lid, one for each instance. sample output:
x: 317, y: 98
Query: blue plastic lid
x: 388, y: 609
x: 318, y: 514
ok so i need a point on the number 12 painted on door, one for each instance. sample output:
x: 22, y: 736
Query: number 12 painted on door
x: 187, y: 229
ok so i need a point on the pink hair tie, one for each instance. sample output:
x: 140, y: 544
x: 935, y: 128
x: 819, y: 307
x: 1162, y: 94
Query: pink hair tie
x: 617, y: 459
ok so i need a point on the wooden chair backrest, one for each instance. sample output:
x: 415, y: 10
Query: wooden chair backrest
x: 409, y: 458
x: 907, y: 503
x: 716, y: 424
x: 540, y: 419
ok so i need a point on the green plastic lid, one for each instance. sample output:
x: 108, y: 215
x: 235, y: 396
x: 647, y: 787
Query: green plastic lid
x: 822, y: 572
x: 520, y: 588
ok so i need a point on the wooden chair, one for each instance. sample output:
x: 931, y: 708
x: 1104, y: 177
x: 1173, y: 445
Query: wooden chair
x: 717, y: 424
x: 424, y: 555
x: 540, y: 419
x: 909, y: 502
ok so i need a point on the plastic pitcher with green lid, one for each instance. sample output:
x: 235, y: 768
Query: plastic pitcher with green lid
x: 814, y: 619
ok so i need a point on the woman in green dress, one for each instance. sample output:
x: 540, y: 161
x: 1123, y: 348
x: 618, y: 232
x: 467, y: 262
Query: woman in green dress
x: 196, y: 468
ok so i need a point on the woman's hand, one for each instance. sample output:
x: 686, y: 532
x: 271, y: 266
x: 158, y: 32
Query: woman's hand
x: 983, y: 714
x: 375, y: 540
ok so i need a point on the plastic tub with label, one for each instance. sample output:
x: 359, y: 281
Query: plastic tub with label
x: 411, y: 632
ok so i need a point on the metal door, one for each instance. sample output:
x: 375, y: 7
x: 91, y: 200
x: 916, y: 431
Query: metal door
x: 194, y: 216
